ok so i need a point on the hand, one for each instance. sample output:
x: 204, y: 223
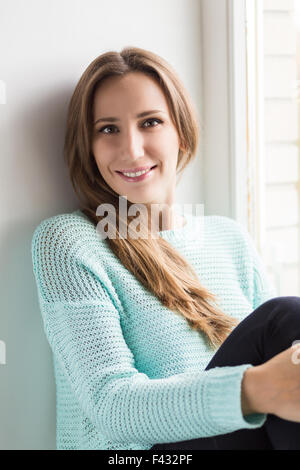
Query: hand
x: 274, y: 386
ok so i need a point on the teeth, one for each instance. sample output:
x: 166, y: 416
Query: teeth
x: 137, y: 174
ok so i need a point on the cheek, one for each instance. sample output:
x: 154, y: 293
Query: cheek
x: 170, y: 141
x: 169, y: 150
x: 101, y: 156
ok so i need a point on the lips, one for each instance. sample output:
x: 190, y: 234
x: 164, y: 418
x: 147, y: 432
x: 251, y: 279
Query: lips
x: 136, y: 179
x: 135, y: 170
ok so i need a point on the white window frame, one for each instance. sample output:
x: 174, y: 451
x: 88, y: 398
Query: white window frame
x: 237, y: 92
x: 232, y: 144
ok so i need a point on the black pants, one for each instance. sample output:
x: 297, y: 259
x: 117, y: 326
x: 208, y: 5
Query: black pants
x: 267, y: 331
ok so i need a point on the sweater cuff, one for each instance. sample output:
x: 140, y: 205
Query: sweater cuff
x: 223, y: 409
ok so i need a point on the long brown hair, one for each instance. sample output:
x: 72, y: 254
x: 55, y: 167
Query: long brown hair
x: 154, y: 261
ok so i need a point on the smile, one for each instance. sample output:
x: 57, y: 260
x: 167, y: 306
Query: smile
x: 138, y: 176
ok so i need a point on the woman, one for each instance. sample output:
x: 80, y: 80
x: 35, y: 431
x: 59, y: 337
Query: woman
x: 144, y: 357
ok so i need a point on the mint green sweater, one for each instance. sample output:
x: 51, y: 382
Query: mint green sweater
x: 129, y: 372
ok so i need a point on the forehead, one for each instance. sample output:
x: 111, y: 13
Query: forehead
x: 136, y: 90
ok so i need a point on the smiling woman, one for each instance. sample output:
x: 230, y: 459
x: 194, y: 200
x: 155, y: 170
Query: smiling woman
x: 133, y: 323
x: 125, y: 88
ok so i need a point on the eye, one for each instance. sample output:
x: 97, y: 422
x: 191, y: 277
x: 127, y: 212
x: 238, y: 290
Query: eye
x: 106, y: 127
x: 151, y: 120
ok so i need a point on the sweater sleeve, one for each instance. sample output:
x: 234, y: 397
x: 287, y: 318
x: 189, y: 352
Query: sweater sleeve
x: 262, y: 287
x: 83, y: 325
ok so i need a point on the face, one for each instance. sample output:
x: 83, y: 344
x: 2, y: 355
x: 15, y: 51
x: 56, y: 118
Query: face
x: 129, y: 142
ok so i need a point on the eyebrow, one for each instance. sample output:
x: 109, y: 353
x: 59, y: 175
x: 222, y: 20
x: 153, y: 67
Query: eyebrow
x: 145, y: 113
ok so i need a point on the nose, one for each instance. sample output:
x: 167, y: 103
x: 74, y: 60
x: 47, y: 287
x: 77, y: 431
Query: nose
x: 132, y: 144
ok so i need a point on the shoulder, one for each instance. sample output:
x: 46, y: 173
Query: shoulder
x: 65, y: 238
x: 62, y: 228
x: 232, y: 236
x: 226, y: 223
x: 68, y: 258
x: 226, y: 228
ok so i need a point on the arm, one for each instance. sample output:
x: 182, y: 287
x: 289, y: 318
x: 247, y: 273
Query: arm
x: 262, y: 288
x: 84, y: 329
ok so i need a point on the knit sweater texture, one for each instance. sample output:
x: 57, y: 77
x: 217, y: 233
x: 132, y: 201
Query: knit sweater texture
x: 129, y: 372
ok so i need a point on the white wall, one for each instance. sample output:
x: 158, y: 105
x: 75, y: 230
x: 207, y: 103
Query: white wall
x: 45, y: 47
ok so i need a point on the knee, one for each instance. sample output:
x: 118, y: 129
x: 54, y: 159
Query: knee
x: 283, y: 316
x: 279, y: 309
x: 292, y: 303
